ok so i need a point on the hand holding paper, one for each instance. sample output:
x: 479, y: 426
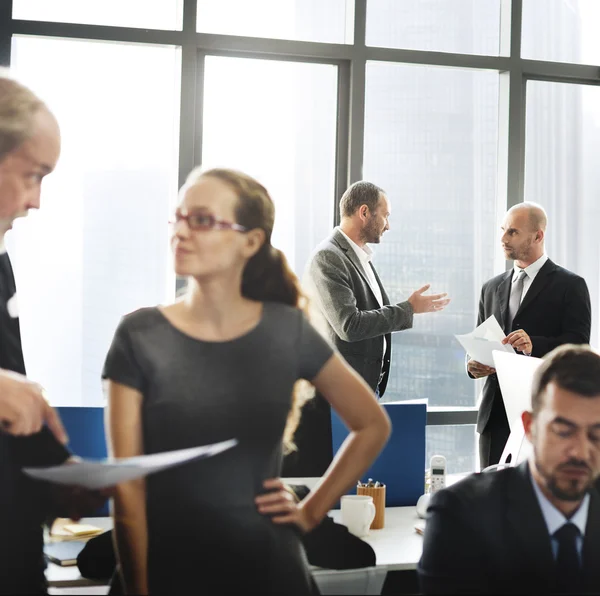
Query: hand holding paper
x: 102, y: 474
x: 486, y: 338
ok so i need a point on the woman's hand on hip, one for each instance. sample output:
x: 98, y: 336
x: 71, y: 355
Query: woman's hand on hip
x: 282, y: 506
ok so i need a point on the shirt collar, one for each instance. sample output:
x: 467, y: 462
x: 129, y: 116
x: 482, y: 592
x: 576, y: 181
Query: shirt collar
x: 364, y: 253
x: 533, y: 269
x: 554, y: 518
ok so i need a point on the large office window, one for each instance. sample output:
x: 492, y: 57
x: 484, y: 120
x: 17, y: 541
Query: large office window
x: 260, y: 116
x: 308, y: 96
x: 99, y: 247
x: 434, y: 154
x: 561, y: 173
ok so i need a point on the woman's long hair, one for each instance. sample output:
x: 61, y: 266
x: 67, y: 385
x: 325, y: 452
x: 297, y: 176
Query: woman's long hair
x: 267, y: 276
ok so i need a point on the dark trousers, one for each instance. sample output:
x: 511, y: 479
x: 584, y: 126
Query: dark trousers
x: 313, y: 441
x: 494, y: 437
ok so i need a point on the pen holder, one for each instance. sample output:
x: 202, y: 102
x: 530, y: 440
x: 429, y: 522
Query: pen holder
x: 378, y: 494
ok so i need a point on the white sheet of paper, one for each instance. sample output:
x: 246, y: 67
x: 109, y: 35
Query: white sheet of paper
x: 515, y: 375
x: 483, y: 340
x: 102, y: 474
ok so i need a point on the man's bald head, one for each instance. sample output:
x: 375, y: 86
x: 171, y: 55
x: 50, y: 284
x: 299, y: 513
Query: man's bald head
x: 538, y: 219
x: 523, y: 233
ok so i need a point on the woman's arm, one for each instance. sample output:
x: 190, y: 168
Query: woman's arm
x: 124, y: 438
x: 369, y: 427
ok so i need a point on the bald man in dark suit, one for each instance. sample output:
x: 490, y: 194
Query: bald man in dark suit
x: 539, y: 304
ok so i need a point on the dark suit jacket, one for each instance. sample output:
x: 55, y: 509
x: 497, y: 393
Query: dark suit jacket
x: 345, y: 309
x: 487, y: 535
x: 556, y: 310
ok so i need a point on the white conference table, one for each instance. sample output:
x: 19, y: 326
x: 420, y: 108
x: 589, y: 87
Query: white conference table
x: 397, y: 545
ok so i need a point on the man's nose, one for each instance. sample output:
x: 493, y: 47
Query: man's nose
x: 33, y: 201
x: 580, y: 447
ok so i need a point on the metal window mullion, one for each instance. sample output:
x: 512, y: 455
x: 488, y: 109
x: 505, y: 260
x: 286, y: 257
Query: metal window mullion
x: 342, y: 136
x: 5, y: 31
x: 358, y: 66
x: 187, y: 112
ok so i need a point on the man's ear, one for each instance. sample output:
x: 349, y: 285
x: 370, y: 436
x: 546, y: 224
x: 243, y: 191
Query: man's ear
x: 527, y: 420
x: 255, y: 238
x: 363, y: 211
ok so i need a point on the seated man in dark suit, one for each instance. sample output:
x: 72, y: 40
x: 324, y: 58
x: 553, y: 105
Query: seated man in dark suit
x: 534, y: 528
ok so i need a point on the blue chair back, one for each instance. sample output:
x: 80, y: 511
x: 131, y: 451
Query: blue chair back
x: 85, y: 427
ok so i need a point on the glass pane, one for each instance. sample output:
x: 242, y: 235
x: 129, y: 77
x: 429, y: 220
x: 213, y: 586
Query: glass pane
x: 435, y: 155
x: 99, y: 247
x: 458, y: 26
x: 260, y: 117
x: 561, y: 31
x: 150, y: 14
x: 561, y: 173
x: 331, y: 21
x: 458, y: 444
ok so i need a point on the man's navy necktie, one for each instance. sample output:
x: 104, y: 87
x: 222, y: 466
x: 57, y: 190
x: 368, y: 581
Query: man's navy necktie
x: 568, y: 564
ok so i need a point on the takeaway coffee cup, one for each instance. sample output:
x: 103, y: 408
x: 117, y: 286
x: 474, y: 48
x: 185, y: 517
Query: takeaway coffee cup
x: 358, y: 511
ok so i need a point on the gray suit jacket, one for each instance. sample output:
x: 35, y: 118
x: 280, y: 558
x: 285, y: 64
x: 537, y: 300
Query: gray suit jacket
x: 344, y: 308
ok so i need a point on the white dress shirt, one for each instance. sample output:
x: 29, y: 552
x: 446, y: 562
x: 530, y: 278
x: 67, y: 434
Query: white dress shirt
x: 530, y: 272
x: 555, y: 519
x: 365, y: 255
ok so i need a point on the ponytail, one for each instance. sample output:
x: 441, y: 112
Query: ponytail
x: 268, y: 278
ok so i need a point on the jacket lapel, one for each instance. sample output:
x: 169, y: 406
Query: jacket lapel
x: 537, y: 285
x: 338, y: 238
x: 384, y: 296
x: 502, y: 294
x: 527, y: 522
x: 591, y: 546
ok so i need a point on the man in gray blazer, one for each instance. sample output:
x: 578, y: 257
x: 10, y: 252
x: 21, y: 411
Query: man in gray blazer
x: 350, y: 307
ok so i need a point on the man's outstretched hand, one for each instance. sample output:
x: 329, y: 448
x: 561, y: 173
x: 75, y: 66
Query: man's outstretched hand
x: 431, y: 303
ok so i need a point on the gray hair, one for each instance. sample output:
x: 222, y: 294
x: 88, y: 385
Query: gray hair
x: 357, y: 194
x: 18, y: 106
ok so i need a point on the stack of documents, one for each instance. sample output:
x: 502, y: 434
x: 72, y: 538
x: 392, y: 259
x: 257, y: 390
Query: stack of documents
x: 480, y: 343
x: 64, y: 529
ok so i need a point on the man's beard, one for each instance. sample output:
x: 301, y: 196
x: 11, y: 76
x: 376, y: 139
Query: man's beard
x: 522, y: 254
x: 573, y: 492
x: 371, y: 233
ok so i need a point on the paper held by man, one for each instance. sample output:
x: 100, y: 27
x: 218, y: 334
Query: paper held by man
x: 102, y: 474
x: 482, y: 341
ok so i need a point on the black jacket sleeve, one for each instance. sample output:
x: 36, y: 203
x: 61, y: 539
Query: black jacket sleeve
x: 576, y: 321
x: 452, y: 556
x: 39, y: 450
